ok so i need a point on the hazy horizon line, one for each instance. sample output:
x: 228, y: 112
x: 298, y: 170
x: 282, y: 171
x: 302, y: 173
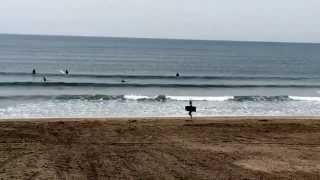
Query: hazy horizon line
x: 157, y: 38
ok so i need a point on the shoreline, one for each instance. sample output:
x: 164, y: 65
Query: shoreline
x: 161, y: 148
x: 245, y: 117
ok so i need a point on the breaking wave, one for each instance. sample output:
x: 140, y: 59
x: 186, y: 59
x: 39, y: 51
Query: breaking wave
x: 162, y: 98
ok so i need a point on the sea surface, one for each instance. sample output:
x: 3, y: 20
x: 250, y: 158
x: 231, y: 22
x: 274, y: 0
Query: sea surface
x: 130, y: 77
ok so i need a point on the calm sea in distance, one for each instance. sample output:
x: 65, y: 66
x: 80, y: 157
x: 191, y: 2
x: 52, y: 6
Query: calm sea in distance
x: 130, y: 77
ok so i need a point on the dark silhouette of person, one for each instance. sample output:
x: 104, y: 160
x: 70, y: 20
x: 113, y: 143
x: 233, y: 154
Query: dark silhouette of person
x: 177, y: 75
x: 123, y: 81
x: 44, y: 79
x: 67, y: 72
x: 191, y: 109
x: 34, y: 71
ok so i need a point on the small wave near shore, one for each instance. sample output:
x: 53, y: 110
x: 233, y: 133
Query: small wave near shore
x: 162, y: 98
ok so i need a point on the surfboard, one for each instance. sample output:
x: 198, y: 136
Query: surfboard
x: 191, y: 108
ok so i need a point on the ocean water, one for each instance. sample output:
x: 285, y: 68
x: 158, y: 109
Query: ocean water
x: 123, y: 77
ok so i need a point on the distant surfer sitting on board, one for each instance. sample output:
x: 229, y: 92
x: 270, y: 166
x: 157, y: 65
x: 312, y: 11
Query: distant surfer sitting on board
x: 177, y: 75
x: 34, y: 71
x: 65, y: 72
x: 44, y: 79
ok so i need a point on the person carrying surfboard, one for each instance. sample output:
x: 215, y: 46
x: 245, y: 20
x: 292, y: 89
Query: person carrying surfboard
x: 191, y: 109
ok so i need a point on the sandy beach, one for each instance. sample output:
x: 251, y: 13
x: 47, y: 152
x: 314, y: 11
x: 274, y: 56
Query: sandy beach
x: 161, y: 148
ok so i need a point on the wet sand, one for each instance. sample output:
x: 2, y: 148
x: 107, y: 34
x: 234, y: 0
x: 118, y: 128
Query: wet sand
x: 161, y: 148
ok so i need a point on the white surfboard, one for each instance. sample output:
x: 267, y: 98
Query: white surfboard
x: 62, y: 72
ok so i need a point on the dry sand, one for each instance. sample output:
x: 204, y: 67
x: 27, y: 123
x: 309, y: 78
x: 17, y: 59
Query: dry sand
x: 161, y: 148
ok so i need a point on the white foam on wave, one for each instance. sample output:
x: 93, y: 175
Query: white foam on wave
x: 299, y: 98
x: 207, y: 98
x: 210, y: 98
x: 200, y: 98
x: 136, y: 97
x: 181, y: 98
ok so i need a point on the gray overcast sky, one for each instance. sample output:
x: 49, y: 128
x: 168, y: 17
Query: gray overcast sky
x: 249, y: 20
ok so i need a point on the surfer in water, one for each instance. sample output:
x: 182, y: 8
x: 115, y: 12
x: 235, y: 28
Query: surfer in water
x: 177, y: 75
x: 34, y: 71
x: 67, y: 72
x: 44, y: 79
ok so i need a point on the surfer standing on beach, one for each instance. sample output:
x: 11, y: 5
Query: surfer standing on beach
x: 191, y: 109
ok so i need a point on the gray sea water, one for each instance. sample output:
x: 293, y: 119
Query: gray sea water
x: 112, y: 77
